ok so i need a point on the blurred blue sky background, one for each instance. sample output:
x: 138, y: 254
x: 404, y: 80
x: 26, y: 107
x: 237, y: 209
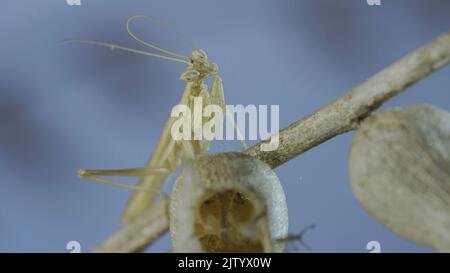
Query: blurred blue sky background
x: 65, y: 107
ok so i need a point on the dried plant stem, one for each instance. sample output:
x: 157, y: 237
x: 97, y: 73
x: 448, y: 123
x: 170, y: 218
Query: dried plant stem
x: 342, y: 115
x: 345, y: 113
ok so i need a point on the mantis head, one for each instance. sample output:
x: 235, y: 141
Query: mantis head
x: 199, y: 67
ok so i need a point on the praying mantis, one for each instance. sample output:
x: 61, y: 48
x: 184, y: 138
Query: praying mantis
x: 169, y: 154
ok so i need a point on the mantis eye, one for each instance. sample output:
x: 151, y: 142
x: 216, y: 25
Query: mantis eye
x: 199, y: 54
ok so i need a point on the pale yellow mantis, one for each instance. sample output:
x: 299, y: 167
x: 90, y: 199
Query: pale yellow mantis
x: 169, y: 154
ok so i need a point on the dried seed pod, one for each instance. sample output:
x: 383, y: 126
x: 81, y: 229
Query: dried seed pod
x: 400, y: 172
x: 228, y: 202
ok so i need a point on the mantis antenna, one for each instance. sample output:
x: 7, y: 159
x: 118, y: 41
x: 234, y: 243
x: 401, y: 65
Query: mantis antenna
x: 163, y: 24
x: 175, y: 56
x: 125, y: 48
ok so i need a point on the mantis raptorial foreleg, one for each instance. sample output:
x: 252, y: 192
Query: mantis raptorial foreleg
x: 217, y: 97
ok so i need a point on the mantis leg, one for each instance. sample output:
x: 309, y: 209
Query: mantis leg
x: 217, y: 97
x: 93, y: 175
x: 189, y: 151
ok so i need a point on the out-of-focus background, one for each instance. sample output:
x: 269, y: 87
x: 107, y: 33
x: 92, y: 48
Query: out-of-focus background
x: 71, y: 106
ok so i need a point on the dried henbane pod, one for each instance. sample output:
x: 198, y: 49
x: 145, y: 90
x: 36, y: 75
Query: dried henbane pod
x: 228, y: 202
x: 400, y: 172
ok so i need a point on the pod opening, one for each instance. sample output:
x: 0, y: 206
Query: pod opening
x: 230, y: 221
